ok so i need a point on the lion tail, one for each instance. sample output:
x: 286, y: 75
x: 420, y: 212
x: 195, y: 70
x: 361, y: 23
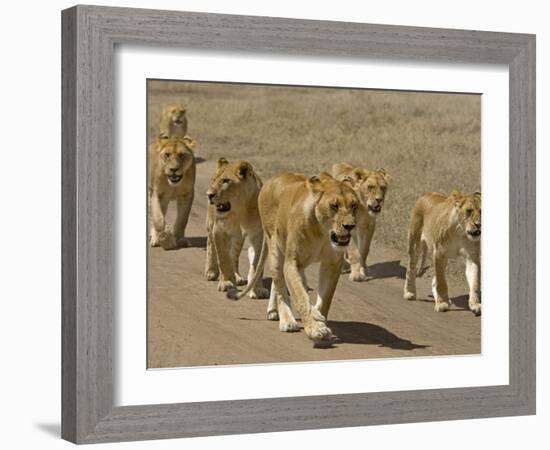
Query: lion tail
x: 234, y: 294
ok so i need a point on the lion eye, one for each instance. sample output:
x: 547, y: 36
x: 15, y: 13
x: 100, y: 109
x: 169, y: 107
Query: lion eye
x: 354, y: 205
x: 334, y: 206
x: 469, y: 211
x: 226, y: 181
x: 166, y: 156
x: 370, y: 188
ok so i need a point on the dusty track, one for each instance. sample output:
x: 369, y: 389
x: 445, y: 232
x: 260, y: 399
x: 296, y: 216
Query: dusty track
x: 191, y: 324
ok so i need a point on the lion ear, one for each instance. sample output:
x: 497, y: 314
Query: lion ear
x: 189, y: 142
x: 244, y: 169
x: 221, y: 162
x: 314, y: 183
x: 457, y: 197
x: 384, y: 174
x: 349, y: 181
x: 360, y: 175
x: 325, y: 176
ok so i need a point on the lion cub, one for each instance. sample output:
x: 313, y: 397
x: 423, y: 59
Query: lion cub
x: 173, y: 121
x: 370, y: 187
x: 171, y: 177
x: 305, y: 220
x: 233, y: 216
x: 446, y: 227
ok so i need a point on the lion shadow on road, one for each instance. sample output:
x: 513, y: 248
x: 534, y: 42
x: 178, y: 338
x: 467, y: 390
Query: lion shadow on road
x: 459, y: 302
x: 369, y: 334
x: 387, y: 269
x: 197, y: 242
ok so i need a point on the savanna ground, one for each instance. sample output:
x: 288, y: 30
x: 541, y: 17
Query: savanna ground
x: 425, y: 141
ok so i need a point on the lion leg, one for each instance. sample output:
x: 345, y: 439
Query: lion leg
x: 409, y: 291
x: 357, y: 272
x: 359, y: 263
x: 160, y: 234
x: 423, y: 256
x: 328, y: 279
x: 222, y: 240
x: 472, y: 275
x: 254, y: 252
x: 236, y: 248
x: 439, y: 284
x: 183, y: 209
x: 314, y: 323
x: 211, y: 271
x: 279, y: 302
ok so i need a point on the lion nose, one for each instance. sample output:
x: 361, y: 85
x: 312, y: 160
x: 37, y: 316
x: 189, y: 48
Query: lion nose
x: 173, y: 170
x: 349, y: 226
x: 379, y: 199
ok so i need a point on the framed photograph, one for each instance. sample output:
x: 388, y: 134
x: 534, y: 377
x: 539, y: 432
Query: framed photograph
x: 275, y: 224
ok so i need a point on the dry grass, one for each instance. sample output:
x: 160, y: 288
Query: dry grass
x: 425, y: 141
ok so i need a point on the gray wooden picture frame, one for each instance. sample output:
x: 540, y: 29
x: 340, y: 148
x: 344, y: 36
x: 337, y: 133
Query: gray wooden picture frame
x: 90, y: 34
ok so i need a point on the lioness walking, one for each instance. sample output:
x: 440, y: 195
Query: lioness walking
x: 446, y: 227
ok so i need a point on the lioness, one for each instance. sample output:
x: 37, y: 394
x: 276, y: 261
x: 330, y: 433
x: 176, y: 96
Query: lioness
x: 171, y: 177
x: 232, y: 216
x: 446, y: 227
x: 370, y: 187
x: 305, y: 220
x: 173, y: 121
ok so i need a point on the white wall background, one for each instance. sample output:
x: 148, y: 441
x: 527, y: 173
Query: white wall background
x: 30, y: 249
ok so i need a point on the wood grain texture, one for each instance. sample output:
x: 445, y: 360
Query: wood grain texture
x: 89, y: 205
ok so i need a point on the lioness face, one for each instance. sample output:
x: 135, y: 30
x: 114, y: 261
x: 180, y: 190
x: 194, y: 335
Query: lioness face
x: 229, y: 185
x: 176, y: 114
x: 468, y: 208
x: 335, y: 209
x: 176, y: 156
x: 372, y: 191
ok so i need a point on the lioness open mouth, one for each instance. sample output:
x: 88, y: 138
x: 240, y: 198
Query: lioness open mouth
x: 223, y: 207
x: 375, y: 208
x: 174, y: 179
x: 339, y: 240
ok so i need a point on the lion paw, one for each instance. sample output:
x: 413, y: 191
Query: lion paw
x: 241, y: 281
x: 273, y: 315
x: 154, y: 238
x: 225, y: 285
x: 167, y: 240
x: 289, y: 326
x: 409, y: 295
x: 318, y: 331
x: 259, y: 292
x: 441, y: 306
x: 357, y: 276
x: 211, y: 275
x: 475, y: 308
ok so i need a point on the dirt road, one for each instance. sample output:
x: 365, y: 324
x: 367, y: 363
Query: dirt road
x: 190, y: 323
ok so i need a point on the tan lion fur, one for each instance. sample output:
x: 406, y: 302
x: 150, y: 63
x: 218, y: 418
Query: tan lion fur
x: 305, y: 220
x: 170, y: 158
x: 445, y: 227
x: 173, y: 121
x: 370, y: 187
x: 235, y: 185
